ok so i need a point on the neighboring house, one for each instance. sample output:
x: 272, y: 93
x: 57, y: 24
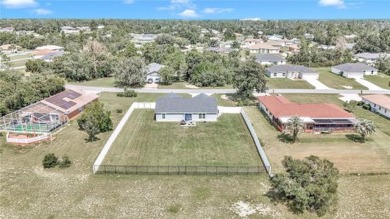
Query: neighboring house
x: 219, y: 49
x: 275, y: 37
x: 317, y: 117
x: 263, y: 48
x: 7, y: 29
x: 369, y: 58
x: 69, y: 30
x: 47, y: 52
x: 292, y: 72
x: 143, y: 38
x: 175, y: 108
x: 354, y: 70
x: 50, y: 56
x: 50, y: 47
x: 270, y: 59
x: 153, y: 71
x: 293, y: 48
x: 250, y: 42
x: 379, y: 103
x: 10, y: 48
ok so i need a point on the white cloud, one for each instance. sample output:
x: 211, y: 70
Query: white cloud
x: 129, y: 2
x: 168, y: 8
x: 217, y: 10
x: 336, y: 3
x: 41, y: 11
x: 19, y: 3
x: 188, y: 13
x: 180, y: 2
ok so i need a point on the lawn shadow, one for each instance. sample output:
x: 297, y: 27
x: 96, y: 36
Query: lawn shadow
x: 355, y: 138
x: 285, y: 138
x: 87, y: 140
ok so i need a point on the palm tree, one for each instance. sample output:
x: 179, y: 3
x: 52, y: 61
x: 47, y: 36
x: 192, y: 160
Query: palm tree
x: 364, y: 127
x: 295, y: 126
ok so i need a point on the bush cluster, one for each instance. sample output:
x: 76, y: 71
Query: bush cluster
x: 127, y: 93
x: 50, y: 161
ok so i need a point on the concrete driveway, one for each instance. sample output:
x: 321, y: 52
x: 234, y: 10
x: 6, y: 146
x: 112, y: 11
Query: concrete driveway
x: 317, y: 84
x: 368, y: 84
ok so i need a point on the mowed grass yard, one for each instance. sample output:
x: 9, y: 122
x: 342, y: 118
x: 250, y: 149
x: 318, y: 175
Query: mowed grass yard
x: 381, y: 80
x: 336, y: 81
x: 348, y: 155
x: 29, y: 191
x: 100, y: 82
x: 286, y: 83
x: 145, y: 142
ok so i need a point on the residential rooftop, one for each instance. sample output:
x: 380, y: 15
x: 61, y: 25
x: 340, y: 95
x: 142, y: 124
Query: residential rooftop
x: 290, y: 68
x: 354, y: 67
x: 378, y: 99
x: 173, y: 103
x: 269, y: 57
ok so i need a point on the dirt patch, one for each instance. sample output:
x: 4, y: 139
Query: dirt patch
x: 244, y: 209
x: 191, y: 86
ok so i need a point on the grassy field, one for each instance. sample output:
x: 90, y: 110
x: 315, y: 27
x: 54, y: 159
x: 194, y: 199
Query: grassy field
x: 143, y: 141
x: 225, y: 102
x: 100, y: 82
x: 336, y: 81
x: 381, y: 80
x: 18, y: 63
x: 348, y: 155
x: 20, y: 57
x: 29, y: 191
x: 285, y: 83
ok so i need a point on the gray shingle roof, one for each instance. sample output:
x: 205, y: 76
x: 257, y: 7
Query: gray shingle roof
x: 354, y: 67
x: 154, y: 67
x: 290, y: 68
x: 367, y: 55
x: 173, y: 103
x: 269, y: 58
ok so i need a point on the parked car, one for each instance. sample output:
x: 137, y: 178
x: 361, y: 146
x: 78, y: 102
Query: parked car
x: 157, y: 80
x: 150, y: 80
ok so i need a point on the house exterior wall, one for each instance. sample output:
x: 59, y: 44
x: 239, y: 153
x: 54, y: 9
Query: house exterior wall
x: 177, y: 117
x: 376, y: 108
x: 353, y: 74
x: 276, y: 74
x: 272, y: 63
x: 153, y: 76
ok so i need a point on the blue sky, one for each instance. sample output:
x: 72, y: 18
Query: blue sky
x: 192, y: 9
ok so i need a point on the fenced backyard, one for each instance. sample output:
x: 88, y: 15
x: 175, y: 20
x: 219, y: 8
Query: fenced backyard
x: 142, y: 146
x: 180, y: 170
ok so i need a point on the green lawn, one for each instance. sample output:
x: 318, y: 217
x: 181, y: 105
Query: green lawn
x: 29, y: 191
x: 348, y: 155
x: 145, y: 142
x: 18, y: 63
x: 381, y: 80
x: 285, y: 83
x: 336, y: 81
x: 20, y: 57
x: 230, y: 101
x: 100, y: 82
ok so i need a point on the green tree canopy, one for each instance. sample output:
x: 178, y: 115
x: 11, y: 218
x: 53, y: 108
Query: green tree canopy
x: 308, y: 185
x: 130, y: 72
x: 248, y: 77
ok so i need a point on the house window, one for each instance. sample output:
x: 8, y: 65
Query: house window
x: 202, y: 115
x: 372, y: 72
x: 163, y: 116
x: 275, y: 74
x: 380, y: 108
x: 284, y: 74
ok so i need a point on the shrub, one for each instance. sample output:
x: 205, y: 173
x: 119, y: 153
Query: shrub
x: 119, y: 110
x: 65, y: 162
x: 127, y: 93
x: 49, y: 161
x: 366, y: 106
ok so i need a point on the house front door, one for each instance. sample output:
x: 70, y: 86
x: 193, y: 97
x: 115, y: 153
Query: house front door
x: 188, y: 117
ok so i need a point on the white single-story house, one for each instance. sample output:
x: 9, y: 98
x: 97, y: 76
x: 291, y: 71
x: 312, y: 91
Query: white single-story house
x: 270, y: 59
x: 153, y: 71
x: 292, y: 72
x: 379, y: 103
x: 175, y: 108
x: 370, y: 58
x: 354, y: 70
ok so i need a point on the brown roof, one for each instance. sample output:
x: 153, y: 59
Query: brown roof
x: 43, y: 52
x: 69, y: 100
x: 378, y: 99
x: 280, y: 106
x: 263, y: 46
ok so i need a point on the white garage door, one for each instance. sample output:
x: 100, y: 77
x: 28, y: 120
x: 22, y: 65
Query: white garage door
x: 309, y: 76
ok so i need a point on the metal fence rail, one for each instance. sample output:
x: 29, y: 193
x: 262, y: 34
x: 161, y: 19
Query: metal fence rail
x: 180, y: 170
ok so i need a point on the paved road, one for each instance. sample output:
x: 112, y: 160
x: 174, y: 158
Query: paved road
x: 228, y: 91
